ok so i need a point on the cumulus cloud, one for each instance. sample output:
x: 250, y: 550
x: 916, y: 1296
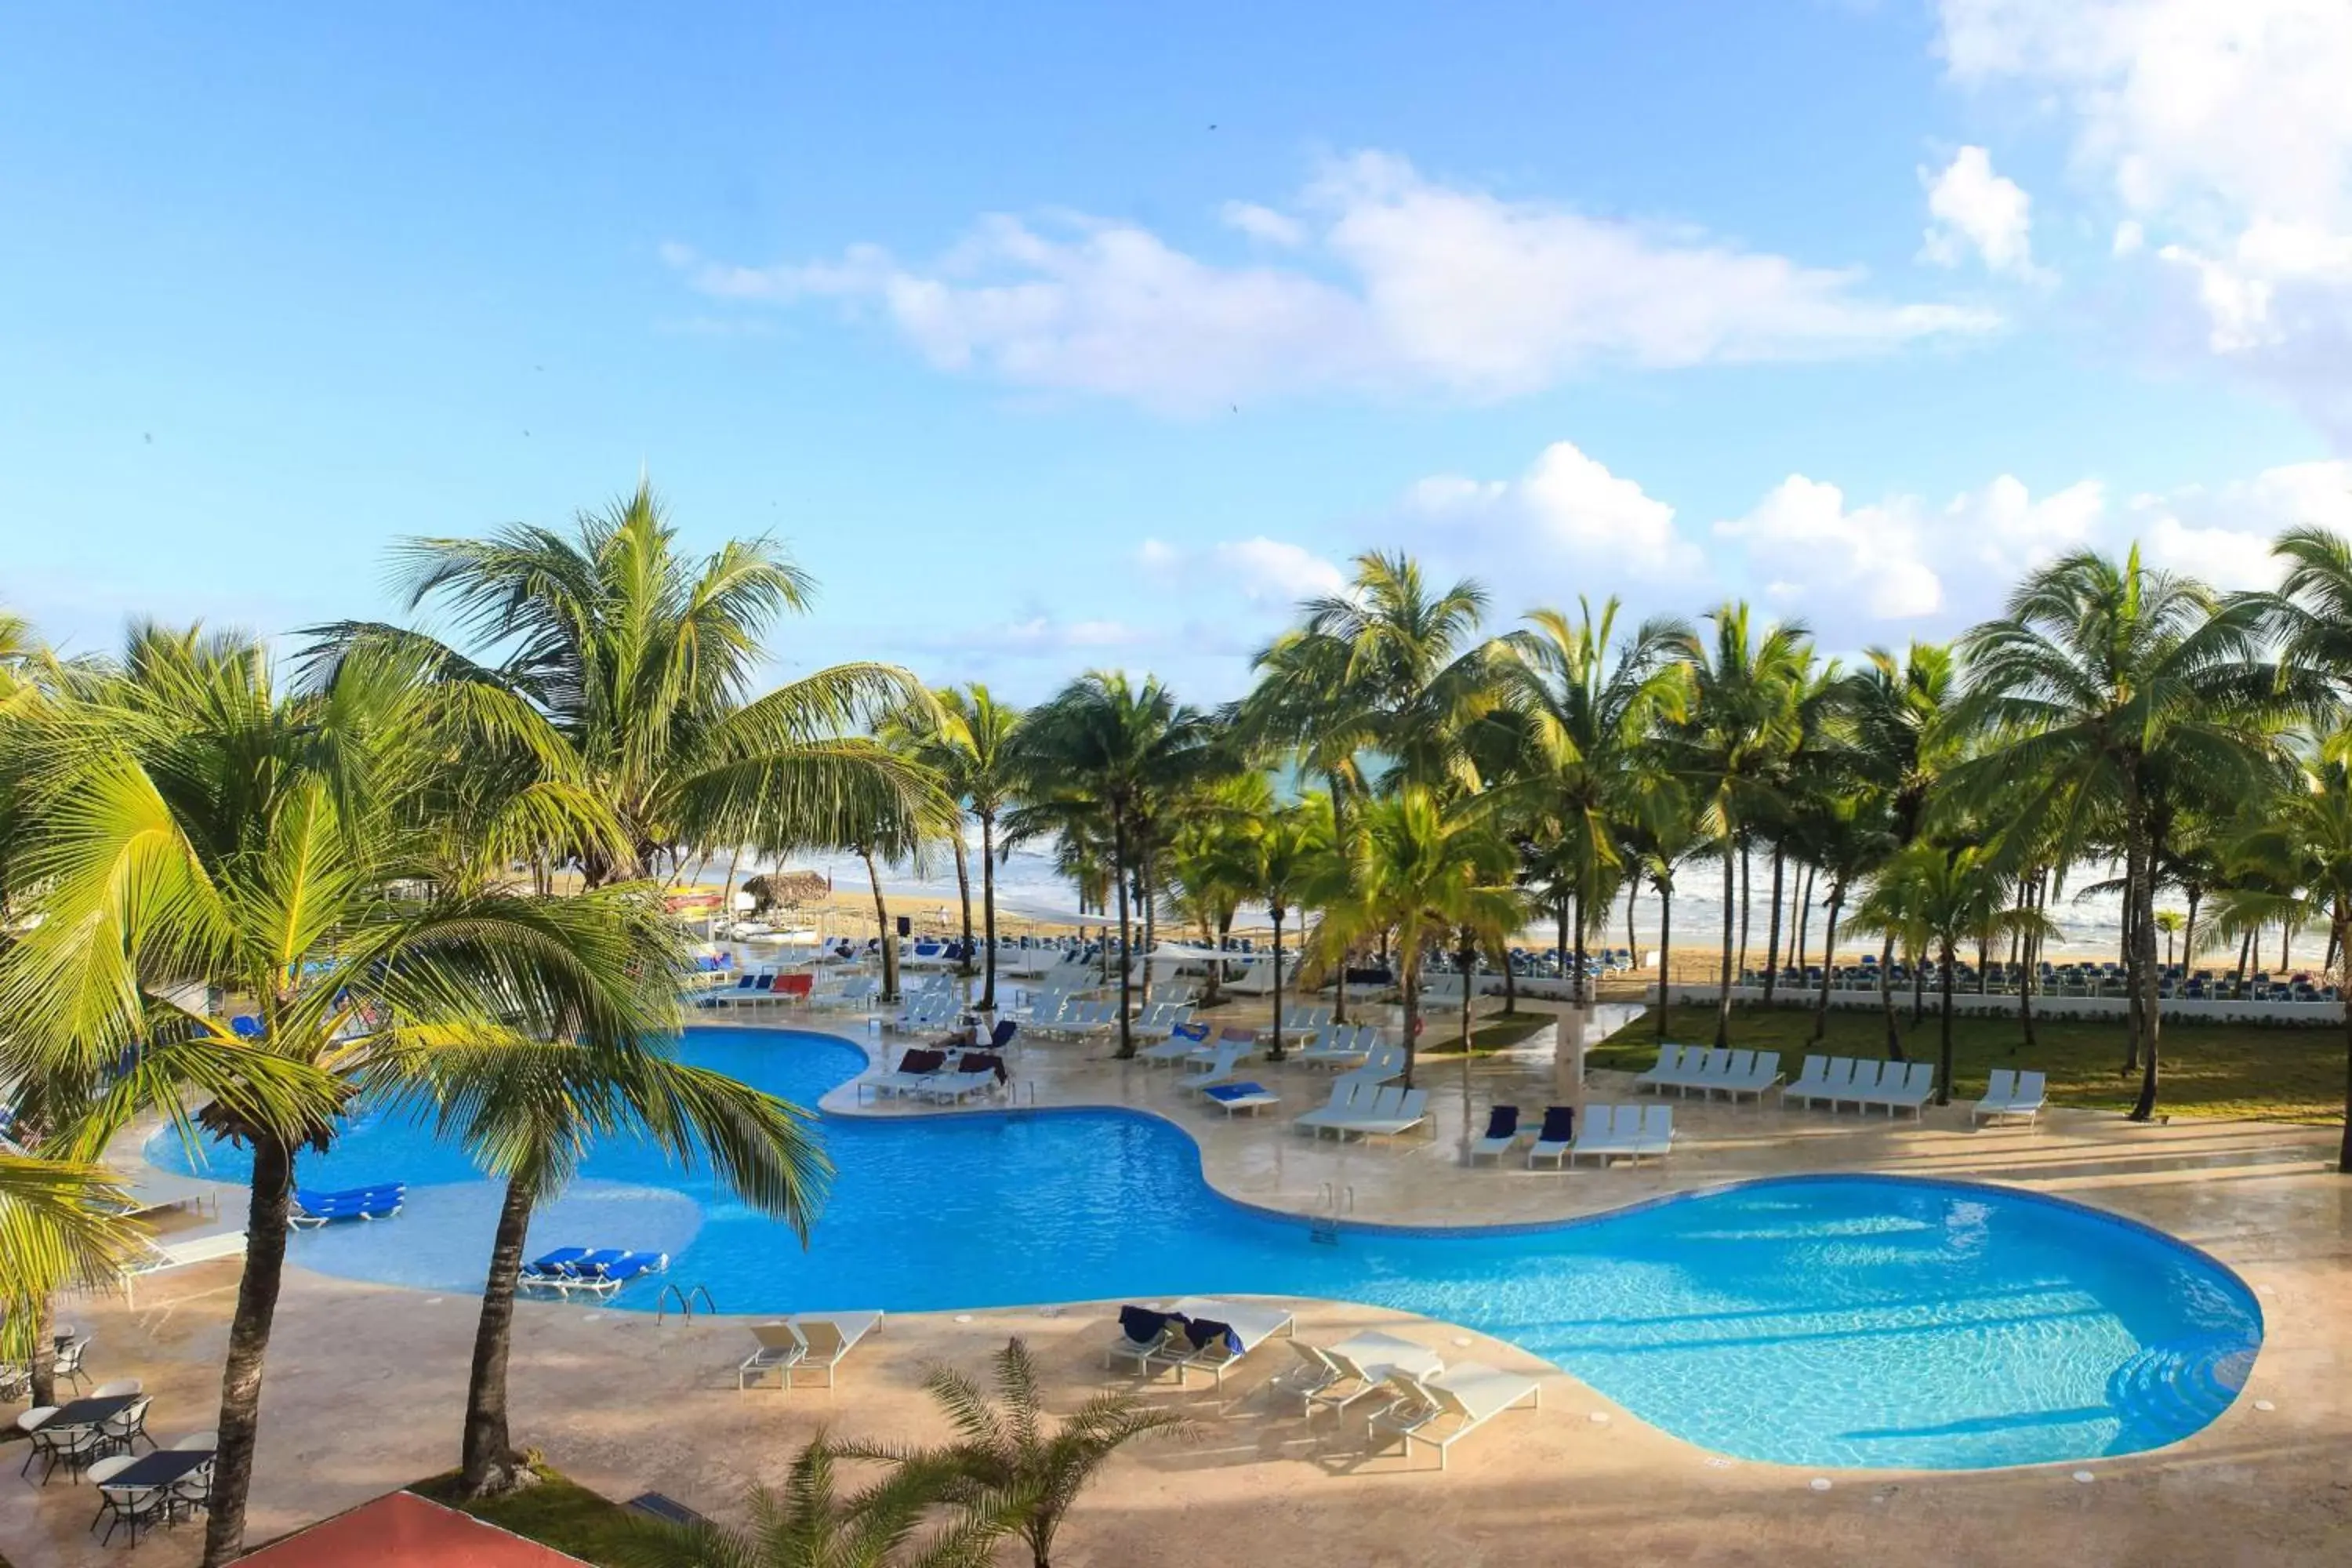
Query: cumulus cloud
x: 1397, y: 283
x: 1811, y: 546
x: 2223, y: 130
x: 1977, y: 211
x: 1263, y: 571
x: 1568, y: 507
x: 2222, y: 534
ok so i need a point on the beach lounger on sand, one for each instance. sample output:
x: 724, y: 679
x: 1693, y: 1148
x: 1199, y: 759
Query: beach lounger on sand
x: 805, y: 1341
x: 1221, y: 1334
x: 1439, y: 1411
x: 163, y: 1257
x: 1146, y: 1335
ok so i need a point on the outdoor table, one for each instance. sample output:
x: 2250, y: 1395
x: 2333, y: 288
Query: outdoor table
x: 88, y: 1412
x: 157, y: 1471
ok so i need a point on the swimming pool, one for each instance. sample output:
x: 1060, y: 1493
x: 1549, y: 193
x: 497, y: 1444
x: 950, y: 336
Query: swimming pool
x: 1811, y: 1321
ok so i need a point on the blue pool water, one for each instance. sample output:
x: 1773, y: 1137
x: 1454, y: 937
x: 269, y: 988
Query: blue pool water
x: 1823, y: 1320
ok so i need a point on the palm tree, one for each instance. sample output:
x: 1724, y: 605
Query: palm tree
x: 2107, y: 693
x: 1658, y: 834
x: 1743, y: 719
x: 1940, y: 897
x: 2312, y: 824
x: 529, y: 1114
x: 59, y: 1228
x: 973, y: 749
x: 1126, y: 749
x: 1422, y: 867
x: 2171, y: 923
x: 1586, y: 717
x: 809, y: 1524
x: 628, y: 670
x: 188, y: 825
x: 1847, y: 836
x: 1012, y: 1460
x: 1901, y: 717
x: 1285, y: 857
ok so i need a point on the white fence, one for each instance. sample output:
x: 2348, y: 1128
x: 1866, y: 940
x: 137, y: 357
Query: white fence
x: 1966, y: 1003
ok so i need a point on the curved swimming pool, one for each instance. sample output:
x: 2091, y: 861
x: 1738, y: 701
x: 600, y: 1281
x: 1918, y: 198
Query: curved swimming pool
x: 1810, y: 1320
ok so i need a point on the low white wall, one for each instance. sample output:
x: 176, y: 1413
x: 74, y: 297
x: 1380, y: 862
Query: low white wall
x: 1968, y: 1003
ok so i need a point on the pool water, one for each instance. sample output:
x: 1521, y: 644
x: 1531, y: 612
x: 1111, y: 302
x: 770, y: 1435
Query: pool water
x: 1811, y: 1321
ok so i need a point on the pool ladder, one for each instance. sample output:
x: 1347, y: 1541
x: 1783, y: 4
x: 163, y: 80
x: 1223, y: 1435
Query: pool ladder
x: 686, y: 1301
x: 1331, y: 1202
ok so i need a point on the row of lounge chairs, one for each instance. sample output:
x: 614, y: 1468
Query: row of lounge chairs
x: 947, y: 1077
x: 1603, y: 1132
x: 312, y: 1209
x: 600, y: 1271
x: 1732, y: 1073
x: 767, y: 985
x: 1199, y: 1333
x: 1368, y: 1109
x: 1340, y: 1045
x: 1864, y: 1083
x: 805, y: 1341
x: 1190, y: 1044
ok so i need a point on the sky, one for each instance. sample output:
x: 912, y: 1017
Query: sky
x: 1058, y: 336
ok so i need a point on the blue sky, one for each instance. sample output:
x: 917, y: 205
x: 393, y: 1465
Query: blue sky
x: 1058, y: 335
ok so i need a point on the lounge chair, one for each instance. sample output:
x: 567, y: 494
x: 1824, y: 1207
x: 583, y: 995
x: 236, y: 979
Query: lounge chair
x: 1219, y: 1333
x: 315, y: 1209
x: 1147, y: 1335
x: 1623, y: 1131
x: 1813, y: 1076
x: 2013, y: 1094
x: 1837, y: 1076
x: 1862, y: 1087
x: 551, y: 1268
x: 1555, y: 1138
x: 1502, y: 1135
x: 162, y: 1256
x: 1410, y: 1111
x: 1237, y: 1097
x: 912, y: 1075
x: 1182, y: 1040
x: 1201, y: 1069
x: 1909, y: 1089
x: 1346, y: 1092
x: 1316, y: 1374
x: 806, y: 1340
x: 608, y: 1278
x: 1444, y: 1409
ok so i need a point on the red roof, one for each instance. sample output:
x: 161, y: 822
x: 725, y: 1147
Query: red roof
x: 403, y: 1531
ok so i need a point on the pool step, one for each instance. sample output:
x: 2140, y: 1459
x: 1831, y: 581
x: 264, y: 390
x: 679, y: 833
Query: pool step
x: 2174, y: 1387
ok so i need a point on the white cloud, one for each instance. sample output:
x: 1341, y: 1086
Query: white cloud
x: 2225, y: 128
x: 1976, y: 210
x: 1399, y: 284
x: 1264, y: 570
x: 1567, y: 508
x: 2223, y: 533
x: 1869, y: 553
x: 1044, y: 636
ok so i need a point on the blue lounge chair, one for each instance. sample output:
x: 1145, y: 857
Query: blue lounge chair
x: 554, y: 1268
x: 245, y: 1026
x: 605, y: 1278
x: 364, y: 1203
x: 1001, y: 1035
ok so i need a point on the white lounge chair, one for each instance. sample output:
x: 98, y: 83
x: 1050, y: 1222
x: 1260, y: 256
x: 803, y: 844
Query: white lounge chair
x: 1837, y: 1076
x: 1554, y: 1137
x: 1909, y: 1089
x: 825, y: 1340
x: 1251, y: 1326
x: 163, y: 1257
x: 1442, y: 1410
x: 1411, y: 1110
x: 2012, y: 1093
x: 1504, y: 1131
x: 1346, y: 1091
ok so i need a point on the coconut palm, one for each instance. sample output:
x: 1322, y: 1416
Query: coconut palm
x: 1424, y: 867
x: 60, y: 1227
x: 2106, y: 694
x: 1743, y: 719
x: 810, y: 1524
x: 190, y: 825
x: 528, y: 1114
x: 1129, y: 750
x: 1587, y: 711
x: 1904, y: 739
x: 1941, y: 896
x: 1010, y: 1459
x: 1285, y: 859
x: 629, y: 669
x: 2312, y: 823
x: 972, y: 749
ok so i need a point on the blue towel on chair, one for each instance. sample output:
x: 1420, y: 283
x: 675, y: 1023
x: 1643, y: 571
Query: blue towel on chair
x: 1190, y: 1031
x: 1206, y: 1332
x: 1560, y: 1125
x: 1503, y: 1122
x: 1142, y: 1326
x: 1235, y: 1090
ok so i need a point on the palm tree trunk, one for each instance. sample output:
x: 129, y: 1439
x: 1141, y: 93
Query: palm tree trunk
x: 1560, y: 946
x: 1772, y: 935
x: 1919, y: 989
x: 2131, y: 976
x: 1804, y: 894
x: 2029, y: 968
x: 1944, y: 1069
x: 1275, y: 911
x: 2150, y: 850
x: 1125, y: 948
x: 1665, y: 933
x: 2245, y: 957
x: 963, y: 897
x: 488, y: 1465
x: 1510, y: 981
x: 1742, y: 971
x: 1723, y: 997
x: 249, y: 1343
x: 988, y: 908
x: 1829, y: 952
x: 1984, y: 975
x: 43, y: 1366
x: 2343, y: 989
x: 1468, y: 958
x: 1411, y: 969
x: 882, y: 924
x: 1576, y: 986
x: 1150, y: 911
x: 1886, y: 996
x: 1339, y: 843
x: 2286, y: 942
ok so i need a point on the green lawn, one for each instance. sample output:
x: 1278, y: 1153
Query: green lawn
x: 557, y: 1512
x: 2209, y: 1069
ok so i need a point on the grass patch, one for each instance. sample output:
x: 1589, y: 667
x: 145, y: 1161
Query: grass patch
x: 558, y: 1513
x: 2224, y: 1070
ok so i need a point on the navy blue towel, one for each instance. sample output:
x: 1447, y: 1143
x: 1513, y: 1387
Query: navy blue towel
x: 1503, y: 1122
x: 1142, y: 1325
x: 1559, y: 1124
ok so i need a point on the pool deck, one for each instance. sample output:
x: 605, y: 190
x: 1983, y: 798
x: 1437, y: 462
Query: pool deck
x: 366, y: 1381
